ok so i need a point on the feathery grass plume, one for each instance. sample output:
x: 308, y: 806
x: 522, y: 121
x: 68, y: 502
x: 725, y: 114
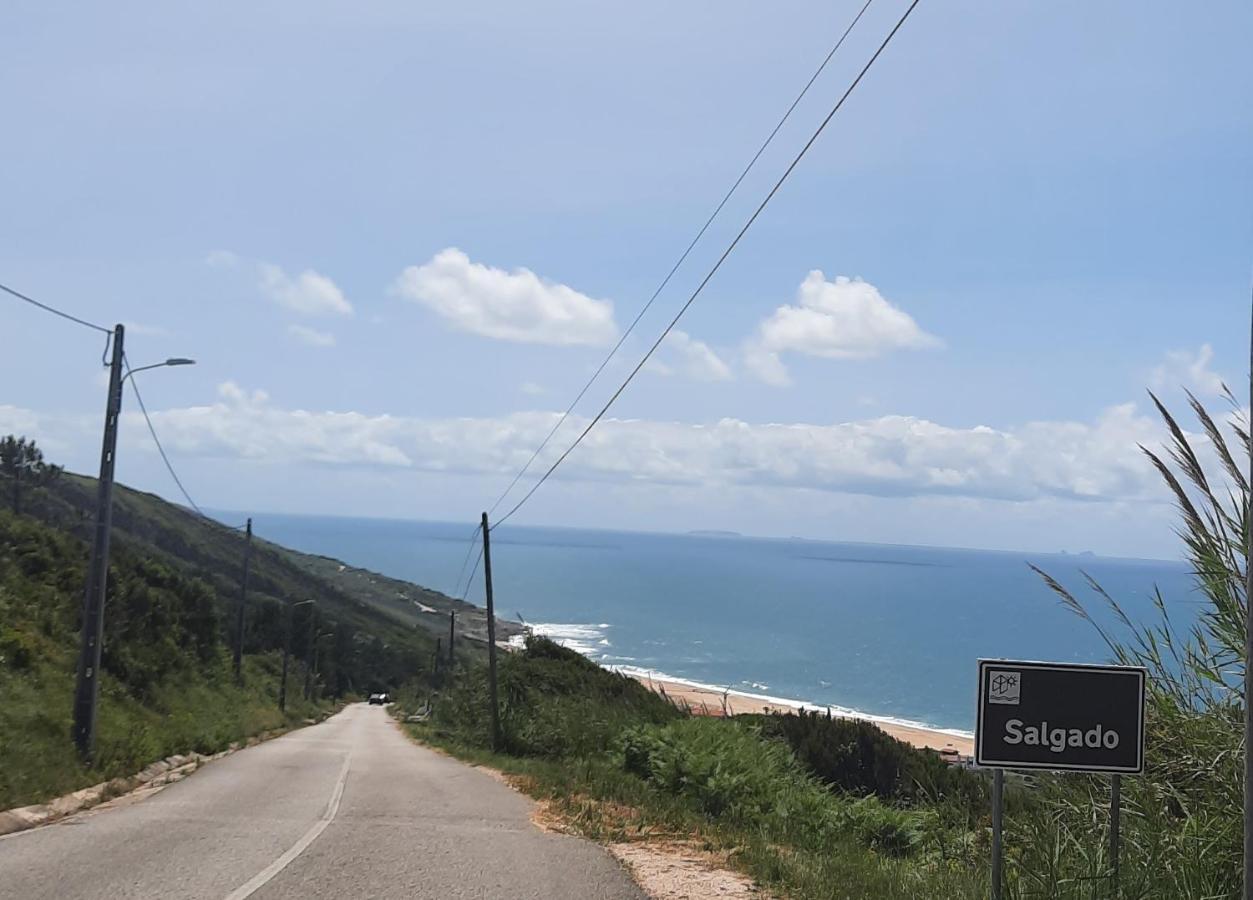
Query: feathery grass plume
x: 1181, y: 820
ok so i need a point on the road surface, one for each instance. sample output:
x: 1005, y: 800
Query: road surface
x: 348, y: 808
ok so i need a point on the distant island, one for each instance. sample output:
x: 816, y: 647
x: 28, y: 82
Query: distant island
x: 715, y: 533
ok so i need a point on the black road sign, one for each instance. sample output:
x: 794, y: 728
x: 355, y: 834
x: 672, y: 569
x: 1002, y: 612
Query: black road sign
x: 1082, y: 718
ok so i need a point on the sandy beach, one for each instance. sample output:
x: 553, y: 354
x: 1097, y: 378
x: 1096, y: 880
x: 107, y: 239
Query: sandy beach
x: 711, y: 701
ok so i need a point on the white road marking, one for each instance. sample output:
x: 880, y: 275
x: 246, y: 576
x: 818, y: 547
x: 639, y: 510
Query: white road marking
x: 262, y: 878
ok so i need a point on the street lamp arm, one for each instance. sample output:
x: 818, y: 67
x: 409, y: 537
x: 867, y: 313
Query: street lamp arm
x: 172, y: 361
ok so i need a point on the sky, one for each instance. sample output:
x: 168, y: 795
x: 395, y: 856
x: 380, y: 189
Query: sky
x: 398, y: 238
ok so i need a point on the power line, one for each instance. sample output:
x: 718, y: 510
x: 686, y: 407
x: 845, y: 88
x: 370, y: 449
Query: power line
x: 721, y: 259
x: 56, y: 312
x: 474, y: 537
x: 474, y: 571
x: 682, y: 258
x: 156, y: 440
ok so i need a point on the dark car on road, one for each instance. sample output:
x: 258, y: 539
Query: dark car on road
x: 378, y: 699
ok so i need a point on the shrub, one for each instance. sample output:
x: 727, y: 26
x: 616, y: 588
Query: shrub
x: 858, y: 757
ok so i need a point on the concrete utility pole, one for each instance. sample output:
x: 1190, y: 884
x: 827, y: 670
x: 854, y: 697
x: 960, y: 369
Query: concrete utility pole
x: 282, y: 685
x: 243, y: 600
x: 87, y: 690
x: 287, y: 629
x: 491, y: 635
x: 313, y: 624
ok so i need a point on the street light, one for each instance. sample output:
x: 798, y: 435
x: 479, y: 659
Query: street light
x: 312, y: 674
x: 172, y: 361
x: 87, y: 689
x: 282, y: 689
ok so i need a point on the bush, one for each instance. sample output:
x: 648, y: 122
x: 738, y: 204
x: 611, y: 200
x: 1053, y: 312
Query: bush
x: 858, y: 757
x: 554, y: 704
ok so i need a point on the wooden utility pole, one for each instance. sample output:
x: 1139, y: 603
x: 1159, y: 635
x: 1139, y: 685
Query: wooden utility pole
x: 452, y: 630
x: 243, y: 600
x: 491, y: 634
x: 87, y: 690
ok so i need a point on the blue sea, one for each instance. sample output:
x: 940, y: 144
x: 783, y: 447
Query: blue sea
x: 888, y: 631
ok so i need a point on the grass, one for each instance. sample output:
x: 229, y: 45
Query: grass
x: 619, y: 763
x: 196, y: 712
x: 812, y: 808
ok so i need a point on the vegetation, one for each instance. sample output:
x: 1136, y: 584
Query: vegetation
x: 1181, y: 823
x: 168, y: 684
x: 821, y: 808
x: 623, y: 764
x: 22, y: 466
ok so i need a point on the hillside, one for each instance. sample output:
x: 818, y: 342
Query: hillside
x: 168, y: 685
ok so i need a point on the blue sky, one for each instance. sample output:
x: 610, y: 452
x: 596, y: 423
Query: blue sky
x: 1048, y: 204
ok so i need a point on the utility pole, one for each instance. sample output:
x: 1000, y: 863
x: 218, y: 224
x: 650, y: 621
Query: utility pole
x: 282, y: 685
x: 87, y: 690
x: 309, y: 651
x: 243, y: 600
x: 452, y: 630
x: 491, y: 635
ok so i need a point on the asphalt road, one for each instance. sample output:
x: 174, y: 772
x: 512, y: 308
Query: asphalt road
x: 348, y: 808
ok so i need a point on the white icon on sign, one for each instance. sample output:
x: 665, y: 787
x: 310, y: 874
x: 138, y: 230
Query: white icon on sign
x: 1004, y: 687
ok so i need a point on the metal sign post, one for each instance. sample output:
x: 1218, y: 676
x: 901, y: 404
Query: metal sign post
x: 1064, y: 717
x: 998, y: 824
x: 1115, y: 814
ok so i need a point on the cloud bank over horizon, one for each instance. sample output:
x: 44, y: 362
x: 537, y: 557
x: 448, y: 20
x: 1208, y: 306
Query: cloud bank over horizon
x: 896, y: 456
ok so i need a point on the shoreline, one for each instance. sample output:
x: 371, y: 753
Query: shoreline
x: 706, y: 697
x: 588, y: 640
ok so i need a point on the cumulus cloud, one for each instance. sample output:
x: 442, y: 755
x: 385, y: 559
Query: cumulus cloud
x: 311, y: 336
x: 309, y: 293
x: 682, y: 354
x: 889, y: 456
x: 515, y: 306
x: 1183, y: 368
x: 842, y: 319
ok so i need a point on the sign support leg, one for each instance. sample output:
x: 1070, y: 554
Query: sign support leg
x: 998, y: 806
x: 1115, y: 815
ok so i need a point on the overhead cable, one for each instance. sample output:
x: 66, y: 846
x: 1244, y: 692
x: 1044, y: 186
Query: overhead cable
x: 679, y: 262
x: 717, y: 265
x: 52, y: 309
x: 156, y: 440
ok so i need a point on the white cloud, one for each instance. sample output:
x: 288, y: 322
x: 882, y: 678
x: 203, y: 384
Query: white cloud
x: 680, y: 353
x: 222, y: 259
x: 531, y: 389
x: 841, y: 319
x: 889, y: 456
x: 309, y: 293
x: 1182, y: 368
x: 311, y: 336
x: 509, y: 306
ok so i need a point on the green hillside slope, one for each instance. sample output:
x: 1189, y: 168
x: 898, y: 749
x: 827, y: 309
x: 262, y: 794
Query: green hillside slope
x: 168, y: 685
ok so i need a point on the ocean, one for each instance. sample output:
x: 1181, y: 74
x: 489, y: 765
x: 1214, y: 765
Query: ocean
x: 891, y: 632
